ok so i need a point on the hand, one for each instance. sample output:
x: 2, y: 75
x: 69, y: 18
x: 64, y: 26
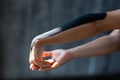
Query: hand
x: 59, y: 57
x: 35, y: 58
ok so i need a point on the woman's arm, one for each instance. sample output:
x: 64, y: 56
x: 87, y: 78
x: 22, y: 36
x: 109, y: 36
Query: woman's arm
x: 79, y: 32
x: 112, y: 21
x: 101, y: 46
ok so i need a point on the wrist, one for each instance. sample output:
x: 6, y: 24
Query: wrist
x: 71, y: 53
x: 38, y: 43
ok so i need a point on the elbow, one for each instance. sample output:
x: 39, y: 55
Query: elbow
x: 100, y: 25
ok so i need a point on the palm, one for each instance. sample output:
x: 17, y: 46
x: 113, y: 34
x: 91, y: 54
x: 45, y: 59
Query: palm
x: 60, y: 56
x: 57, y: 53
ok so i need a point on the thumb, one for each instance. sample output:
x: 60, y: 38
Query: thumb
x: 55, y: 65
x: 50, y: 61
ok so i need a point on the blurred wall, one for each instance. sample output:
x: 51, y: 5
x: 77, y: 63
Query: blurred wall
x: 21, y: 20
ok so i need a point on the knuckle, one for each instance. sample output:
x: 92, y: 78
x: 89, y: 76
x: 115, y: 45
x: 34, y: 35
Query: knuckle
x: 37, y: 41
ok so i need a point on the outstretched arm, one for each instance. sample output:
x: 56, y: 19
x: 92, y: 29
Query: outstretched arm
x: 77, y: 32
x: 101, y: 46
x: 82, y: 30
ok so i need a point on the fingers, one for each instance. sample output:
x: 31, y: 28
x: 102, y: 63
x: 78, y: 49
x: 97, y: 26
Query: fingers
x: 53, y: 63
x: 34, y: 67
x: 49, y: 62
x: 54, y: 66
x: 46, y: 63
x: 36, y: 64
x: 47, y: 54
x: 43, y: 64
x: 36, y: 56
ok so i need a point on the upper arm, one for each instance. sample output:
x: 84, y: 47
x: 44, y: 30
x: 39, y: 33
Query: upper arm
x: 111, y: 22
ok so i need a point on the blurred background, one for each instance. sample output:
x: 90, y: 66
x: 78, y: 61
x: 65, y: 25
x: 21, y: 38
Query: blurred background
x: 22, y: 20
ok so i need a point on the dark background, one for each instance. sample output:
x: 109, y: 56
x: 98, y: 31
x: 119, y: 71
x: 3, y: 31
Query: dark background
x: 22, y: 20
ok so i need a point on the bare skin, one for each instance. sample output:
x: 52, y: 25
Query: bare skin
x: 100, y: 46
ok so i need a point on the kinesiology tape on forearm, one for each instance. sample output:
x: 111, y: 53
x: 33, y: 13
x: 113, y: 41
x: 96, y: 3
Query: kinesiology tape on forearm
x: 78, y: 21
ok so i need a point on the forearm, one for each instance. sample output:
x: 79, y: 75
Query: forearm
x: 101, y: 46
x: 74, y: 34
